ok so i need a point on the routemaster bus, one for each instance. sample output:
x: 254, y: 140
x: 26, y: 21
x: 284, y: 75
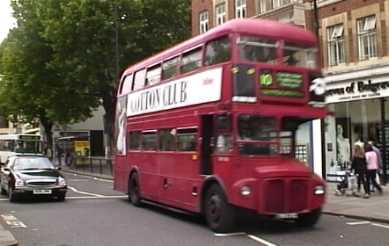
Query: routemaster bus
x: 209, y: 126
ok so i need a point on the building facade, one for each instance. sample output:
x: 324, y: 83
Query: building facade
x: 355, y: 59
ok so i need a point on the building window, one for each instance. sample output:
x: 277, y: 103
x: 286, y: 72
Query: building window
x: 204, y: 22
x: 335, y: 45
x: 240, y: 9
x: 221, y: 15
x: 268, y: 5
x: 367, y: 37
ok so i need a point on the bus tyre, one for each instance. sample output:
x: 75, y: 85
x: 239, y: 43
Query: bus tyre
x: 219, y: 214
x: 309, y: 219
x: 134, y: 190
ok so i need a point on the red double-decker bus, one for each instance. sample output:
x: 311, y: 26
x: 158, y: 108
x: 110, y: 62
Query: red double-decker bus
x: 210, y: 125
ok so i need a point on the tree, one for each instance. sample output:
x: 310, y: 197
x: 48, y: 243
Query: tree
x: 84, y: 45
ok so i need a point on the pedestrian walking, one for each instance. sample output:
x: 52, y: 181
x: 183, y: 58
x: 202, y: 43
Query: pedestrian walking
x: 372, y: 167
x: 359, y: 166
x: 58, y: 153
x: 380, y: 163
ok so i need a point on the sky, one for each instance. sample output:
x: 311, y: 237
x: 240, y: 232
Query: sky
x: 6, y: 19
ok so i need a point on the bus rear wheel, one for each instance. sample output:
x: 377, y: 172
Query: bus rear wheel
x: 219, y: 214
x: 309, y: 219
x: 134, y: 190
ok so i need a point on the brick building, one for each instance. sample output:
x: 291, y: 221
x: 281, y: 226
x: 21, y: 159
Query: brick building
x: 354, y: 45
x: 210, y: 13
x: 355, y: 60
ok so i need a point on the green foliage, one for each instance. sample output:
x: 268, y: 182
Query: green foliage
x: 65, y: 56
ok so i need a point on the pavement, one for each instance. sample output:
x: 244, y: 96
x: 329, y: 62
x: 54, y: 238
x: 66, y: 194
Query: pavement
x: 375, y: 208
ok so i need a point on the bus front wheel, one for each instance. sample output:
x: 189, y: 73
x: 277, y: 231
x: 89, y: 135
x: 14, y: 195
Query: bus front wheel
x: 219, y: 214
x: 134, y: 190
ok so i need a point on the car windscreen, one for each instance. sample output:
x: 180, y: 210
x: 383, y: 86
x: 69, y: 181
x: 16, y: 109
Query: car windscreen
x: 24, y: 163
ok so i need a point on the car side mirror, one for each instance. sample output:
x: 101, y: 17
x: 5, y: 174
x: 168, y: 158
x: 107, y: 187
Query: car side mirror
x: 58, y: 168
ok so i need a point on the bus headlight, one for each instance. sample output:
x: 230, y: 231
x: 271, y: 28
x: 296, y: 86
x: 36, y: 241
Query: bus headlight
x: 319, y: 190
x: 245, y: 190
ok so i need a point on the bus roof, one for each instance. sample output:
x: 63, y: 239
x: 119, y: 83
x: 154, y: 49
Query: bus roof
x: 258, y: 27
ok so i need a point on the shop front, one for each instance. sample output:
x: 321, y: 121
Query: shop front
x: 359, y: 112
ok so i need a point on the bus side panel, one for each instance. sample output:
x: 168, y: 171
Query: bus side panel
x: 178, y: 180
x: 120, y: 174
x: 148, y: 173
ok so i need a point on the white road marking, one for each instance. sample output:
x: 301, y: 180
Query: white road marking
x: 230, y: 234
x: 364, y: 222
x: 94, y: 197
x: 380, y: 225
x: 260, y: 240
x: 12, y: 221
x: 94, y: 178
x: 84, y: 193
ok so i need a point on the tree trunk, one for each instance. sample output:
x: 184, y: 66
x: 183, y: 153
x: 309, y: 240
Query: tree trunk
x: 109, y: 118
x: 48, y: 134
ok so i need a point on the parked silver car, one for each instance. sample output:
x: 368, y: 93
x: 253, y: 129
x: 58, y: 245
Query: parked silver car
x: 31, y: 175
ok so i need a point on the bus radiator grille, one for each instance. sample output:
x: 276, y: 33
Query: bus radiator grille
x: 286, y: 196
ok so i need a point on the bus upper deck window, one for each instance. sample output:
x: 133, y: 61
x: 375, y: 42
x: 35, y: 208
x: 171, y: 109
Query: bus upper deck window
x: 127, y: 84
x: 153, y: 75
x: 191, y: 60
x: 217, y: 51
x: 169, y: 68
x: 257, y: 49
x: 139, y: 80
x: 300, y: 56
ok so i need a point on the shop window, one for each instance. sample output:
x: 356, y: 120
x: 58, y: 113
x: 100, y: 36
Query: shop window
x: 335, y: 41
x: 153, y: 75
x: 367, y: 37
x: 191, y: 60
x: 169, y: 68
x: 167, y: 139
x: 240, y: 9
x: 221, y: 14
x: 217, y: 51
x: 186, y: 139
x: 134, y: 140
x: 204, y: 26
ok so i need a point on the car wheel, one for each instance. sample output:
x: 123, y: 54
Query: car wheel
x: 134, y: 190
x: 219, y: 214
x: 11, y: 195
x: 61, y: 197
x: 309, y: 219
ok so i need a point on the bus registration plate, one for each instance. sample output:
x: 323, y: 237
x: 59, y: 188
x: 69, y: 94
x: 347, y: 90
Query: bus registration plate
x: 41, y: 191
x: 287, y: 216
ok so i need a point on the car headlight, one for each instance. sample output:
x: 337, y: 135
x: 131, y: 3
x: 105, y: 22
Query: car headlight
x: 245, y: 190
x: 61, y: 181
x: 319, y: 190
x: 19, y: 183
